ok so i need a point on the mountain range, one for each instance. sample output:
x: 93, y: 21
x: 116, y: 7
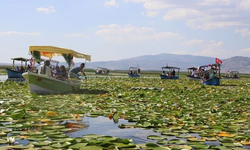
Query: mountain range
x: 155, y: 62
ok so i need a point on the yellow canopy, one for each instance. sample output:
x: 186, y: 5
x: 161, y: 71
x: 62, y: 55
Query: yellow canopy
x: 50, y: 51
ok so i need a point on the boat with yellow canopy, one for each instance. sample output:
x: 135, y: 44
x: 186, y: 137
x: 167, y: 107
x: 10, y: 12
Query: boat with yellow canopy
x: 44, y: 84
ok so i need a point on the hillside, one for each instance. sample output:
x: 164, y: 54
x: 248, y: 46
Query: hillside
x: 237, y: 63
x: 155, y: 62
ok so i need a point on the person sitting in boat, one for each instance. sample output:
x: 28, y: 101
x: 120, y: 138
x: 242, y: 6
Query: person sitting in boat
x: 192, y: 73
x: 163, y: 73
x: 63, y: 75
x: 21, y: 70
x: 73, y: 72
x: 211, y: 73
x: 235, y: 76
x: 56, y: 72
x: 45, y: 69
x: 16, y: 68
x: 173, y: 73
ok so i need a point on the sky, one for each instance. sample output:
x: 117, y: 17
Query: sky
x: 119, y: 29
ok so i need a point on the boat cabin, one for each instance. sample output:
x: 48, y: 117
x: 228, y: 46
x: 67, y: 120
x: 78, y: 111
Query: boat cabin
x: 134, y: 72
x: 102, y: 71
x: 210, y: 75
x: 170, y: 72
x: 232, y: 75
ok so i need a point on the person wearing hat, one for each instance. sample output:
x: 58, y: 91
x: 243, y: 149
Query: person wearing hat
x: 73, y: 72
x: 45, y: 69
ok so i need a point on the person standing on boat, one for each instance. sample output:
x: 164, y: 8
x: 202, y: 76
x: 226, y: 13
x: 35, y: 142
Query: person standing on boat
x: 73, y: 72
x: 45, y: 69
x: 37, y: 66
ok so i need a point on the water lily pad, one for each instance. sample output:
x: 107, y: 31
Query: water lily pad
x: 177, y: 141
x: 156, y: 137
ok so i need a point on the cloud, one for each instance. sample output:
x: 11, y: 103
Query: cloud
x: 245, y: 50
x: 117, y: 33
x: 181, y: 13
x: 193, y: 42
x: 154, y: 5
x: 152, y: 13
x: 48, y: 10
x: 245, y: 5
x: 110, y: 3
x: 214, y: 43
x: 75, y: 35
x: 202, y: 15
x: 244, y: 32
x: 9, y: 33
x: 216, y: 2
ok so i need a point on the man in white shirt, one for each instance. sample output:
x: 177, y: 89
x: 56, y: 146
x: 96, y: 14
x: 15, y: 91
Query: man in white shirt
x: 45, y: 69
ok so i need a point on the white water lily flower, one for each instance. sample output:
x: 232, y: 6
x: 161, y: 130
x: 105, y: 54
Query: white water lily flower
x: 11, y: 140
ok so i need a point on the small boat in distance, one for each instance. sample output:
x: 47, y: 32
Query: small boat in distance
x: 170, y: 72
x: 134, y: 72
x: 45, y: 84
x: 101, y: 71
x: 15, y: 74
x: 193, y: 73
x: 232, y: 75
x: 212, y: 75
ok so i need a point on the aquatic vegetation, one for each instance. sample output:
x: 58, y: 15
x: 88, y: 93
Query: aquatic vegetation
x: 185, y: 114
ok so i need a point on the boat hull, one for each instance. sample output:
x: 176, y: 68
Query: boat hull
x: 14, y: 74
x: 134, y: 75
x: 213, y: 81
x: 168, y: 77
x: 42, y: 84
x: 230, y: 78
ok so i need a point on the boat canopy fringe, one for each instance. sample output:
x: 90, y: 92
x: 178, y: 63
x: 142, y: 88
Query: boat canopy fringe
x: 50, y: 51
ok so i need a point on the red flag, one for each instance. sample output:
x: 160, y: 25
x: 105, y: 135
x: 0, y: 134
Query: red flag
x: 218, y: 61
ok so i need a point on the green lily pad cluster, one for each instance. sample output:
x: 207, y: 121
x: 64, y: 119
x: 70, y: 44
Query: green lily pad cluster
x: 184, y: 114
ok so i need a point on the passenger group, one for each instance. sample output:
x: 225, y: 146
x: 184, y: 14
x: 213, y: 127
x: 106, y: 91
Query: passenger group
x: 59, y: 72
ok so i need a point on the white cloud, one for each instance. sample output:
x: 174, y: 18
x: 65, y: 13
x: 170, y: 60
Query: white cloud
x: 154, y: 5
x: 216, y: 2
x: 110, y: 3
x: 48, y: 10
x: 207, y: 25
x: 214, y: 43
x: 181, y: 13
x: 244, y: 32
x: 75, y: 35
x: 245, y: 50
x: 193, y: 42
x: 116, y: 33
x: 152, y: 13
x: 9, y: 33
x: 245, y: 5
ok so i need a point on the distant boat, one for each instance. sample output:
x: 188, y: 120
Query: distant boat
x: 15, y: 74
x: 194, y: 73
x: 134, y: 72
x: 232, y: 75
x: 172, y: 72
x: 211, y: 76
x: 101, y: 71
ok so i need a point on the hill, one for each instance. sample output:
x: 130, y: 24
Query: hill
x: 237, y: 63
x: 154, y: 62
